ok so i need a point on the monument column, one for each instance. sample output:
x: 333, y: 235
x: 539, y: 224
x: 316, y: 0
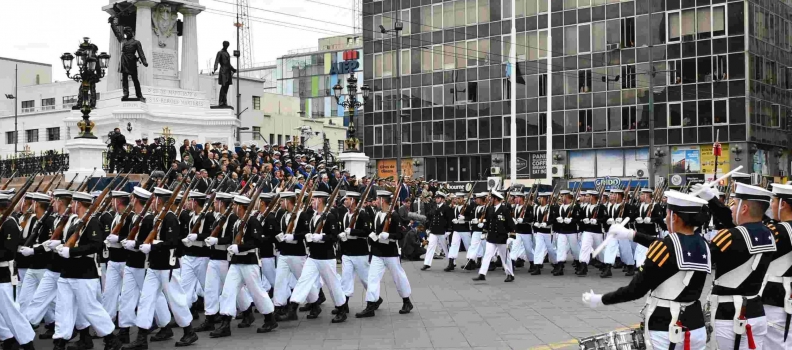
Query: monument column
x: 112, y: 77
x: 189, y: 54
x: 144, y: 34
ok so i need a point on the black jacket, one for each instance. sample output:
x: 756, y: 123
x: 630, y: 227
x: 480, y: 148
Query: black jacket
x: 204, y: 231
x: 10, y: 234
x: 526, y: 213
x: 81, y: 263
x: 170, y: 237
x: 356, y: 244
x: 24, y: 262
x: 440, y: 219
x: 224, y: 239
x: 249, y: 243
x: 137, y: 259
x: 270, y: 228
x: 499, y: 224
x: 326, y: 249
x: 395, y: 234
x: 42, y: 258
x: 296, y: 248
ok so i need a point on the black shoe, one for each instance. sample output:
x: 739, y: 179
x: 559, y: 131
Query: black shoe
x: 491, y: 267
x: 531, y: 267
x: 10, y: 344
x: 618, y: 264
x: 316, y: 310
x: 188, y: 338
x: 49, y: 331
x: 304, y: 308
x: 290, y: 313
x: 208, y: 324
x: 470, y: 266
x: 60, y: 344
x: 141, y: 342
x: 480, y: 278
x: 378, y: 303
x: 111, y: 342
x: 559, y: 271
x: 450, y: 266
x: 340, y: 316
x: 346, y: 307
x: 224, y: 330
x: 84, y: 343
x: 630, y: 270
x: 425, y: 267
x: 519, y: 263
x: 322, y: 298
x: 509, y: 278
x: 582, y: 271
x: 164, y: 334
x: 606, y: 271
x: 269, y: 324
x: 537, y: 270
x: 368, y: 311
x: 478, y: 263
x: 123, y: 335
x: 30, y: 346
x: 94, y: 335
x: 407, y: 306
x: 247, y: 318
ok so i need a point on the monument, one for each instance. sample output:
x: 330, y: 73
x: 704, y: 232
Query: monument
x: 163, y: 36
x: 225, y: 79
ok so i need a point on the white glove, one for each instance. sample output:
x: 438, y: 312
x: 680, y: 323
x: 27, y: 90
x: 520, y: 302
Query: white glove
x: 591, y: 299
x: 348, y: 231
x: 543, y: 225
x: 428, y: 232
x: 145, y: 248
x: 559, y: 219
x: 480, y: 225
x: 64, y: 252
x: 112, y: 238
x: 520, y: 220
x: 192, y: 237
x: 483, y: 236
x: 384, y: 236
x: 318, y: 237
x: 210, y: 241
x: 26, y: 251
x: 461, y: 218
x: 233, y: 249
x: 309, y: 237
x: 52, y: 244
x: 593, y: 221
x: 128, y: 245
x: 447, y: 234
x: 509, y: 242
x: 343, y: 236
x: 609, y: 222
x: 374, y: 236
x: 647, y: 220
x: 536, y: 224
x: 567, y: 220
x: 288, y: 238
x: 639, y: 220
x: 280, y: 237
x: 620, y: 232
x: 455, y: 221
x: 619, y: 220
x: 586, y: 221
x: 474, y: 221
x: 705, y: 193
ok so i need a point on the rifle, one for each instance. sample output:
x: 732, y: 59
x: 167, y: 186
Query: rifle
x: 80, y: 224
x: 467, y: 200
x: 34, y: 231
x: 298, y: 205
x: 109, y: 199
x: 530, y: 197
x: 359, y: 205
x: 221, y: 221
x: 245, y: 217
x: 71, y: 183
x: 202, y: 213
x: 574, y: 199
x: 330, y: 200
x: 185, y: 198
x: 49, y: 185
x: 553, y: 198
x: 247, y: 184
x: 84, y: 184
x: 394, y: 201
x: 274, y: 208
x: 39, y: 184
x: 11, y: 178
x: 135, y: 227
x: 96, y: 184
x: 17, y: 197
x: 158, y: 219
x: 165, y: 177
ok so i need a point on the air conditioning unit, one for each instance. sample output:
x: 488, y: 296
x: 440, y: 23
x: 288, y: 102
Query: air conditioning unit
x: 612, y: 47
x: 493, y: 183
x: 557, y: 170
x: 496, y: 170
x: 641, y: 172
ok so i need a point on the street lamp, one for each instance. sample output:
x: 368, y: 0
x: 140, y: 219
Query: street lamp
x: 351, y: 103
x: 91, y: 68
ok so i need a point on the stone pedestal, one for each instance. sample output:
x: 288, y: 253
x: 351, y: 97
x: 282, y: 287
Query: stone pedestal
x: 143, y: 34
x: 189, y: 57
x: 355, y: 162
x: 85, y: 155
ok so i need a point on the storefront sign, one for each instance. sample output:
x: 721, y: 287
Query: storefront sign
x: 609, y: 182
x: 538, y: 165
x: 345, y: 67
x: 387, y: 168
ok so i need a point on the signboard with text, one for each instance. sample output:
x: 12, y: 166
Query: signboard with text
x: 387, y: 168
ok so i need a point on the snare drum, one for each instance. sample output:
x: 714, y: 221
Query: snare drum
x: 631, y: 339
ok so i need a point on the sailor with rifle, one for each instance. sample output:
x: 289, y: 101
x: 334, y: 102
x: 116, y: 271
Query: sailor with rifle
x: 476, y: 249
x: 592, y: 216
x: 438, y: 228
x: 566, y: 228
x: 523, y: 226
x: 543, y: 231
x: 777, y: 291
x: 498, y: 223
x: 646, y: 221
x: 354, y: 247
x: 268, y: 214
x: 114, y: 252
x: 195, y: 261
x: 463, y: 213
x: 40, y: 229
x: 15, y: 329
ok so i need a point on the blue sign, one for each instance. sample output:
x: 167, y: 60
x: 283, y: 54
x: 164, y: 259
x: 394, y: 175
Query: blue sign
x: 610, y: 182
x: 344, y: 67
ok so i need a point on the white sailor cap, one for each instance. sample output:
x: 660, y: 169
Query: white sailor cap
x: 96, y: 194
x: 287, y: 194
x: 141, y: 193
x: 224, y: 197
x: 752, y: 193
x: 647, y: 190
x: 684, y: 203
x: 350, y: 194
x: 161, y: 192
x: 565, y: 192
x: 460, y: 194
x: 592, y: 192
x: 782, y: 191
x: 119, y: 194
x: 320, y: 194
x: 11, y: 190
x: 517, y: 194
x: 497, y: 195
x: 38, y: 197
x: 616, y: 190
x: 61, y: 193
x: 267, y: 196
x: 482, y: 195
x: 5, y: 198
x: 197, y: 195
x: 545, y: 194
x: 383, y: 193
x: 241, y: 200
x: 82, y: 197
x: 438, y: 194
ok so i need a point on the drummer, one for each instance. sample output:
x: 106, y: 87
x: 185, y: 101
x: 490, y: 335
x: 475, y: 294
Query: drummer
x: 674, y: 271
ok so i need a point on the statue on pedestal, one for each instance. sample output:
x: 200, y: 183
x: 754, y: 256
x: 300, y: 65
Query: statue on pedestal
x: 224, y: 79
x: 128, y: 63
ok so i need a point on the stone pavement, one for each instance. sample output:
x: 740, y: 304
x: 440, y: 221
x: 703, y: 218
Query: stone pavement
x: 451, y: 312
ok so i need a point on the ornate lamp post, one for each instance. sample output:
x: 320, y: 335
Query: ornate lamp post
x: 91, y: 68
x: 351, y: 103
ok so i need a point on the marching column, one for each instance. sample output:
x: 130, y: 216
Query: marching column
x: 13, y: 322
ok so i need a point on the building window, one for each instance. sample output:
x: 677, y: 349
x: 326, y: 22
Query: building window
x: 378, y: 101
x: 585, y: 120
x: 674, y: 72
x: 69, y: 101
x: 257, y: 133
x: 10, y: 137
x: 378, y: 135
x: 584, y: 38
x: 32, y: 135
x: 584, y: 80
x: 47, y: 104
x: 543, y: 85
x: 38, y: 79
x: 28, y: 106
x: 272, y: 139
x: 53, y: 134
x: 720, y: 111
x: 280, y: 140
x: 405, y: 98
x: 674, y: 115
x: 628, y: 32
x: 628, y: 77
x: 377, y: 65
x: 720, y: 68
x: 405, y: 19
x: 405, y: 62
x: 340, y: 146
x: 257, y: 103
x: 472, y: 129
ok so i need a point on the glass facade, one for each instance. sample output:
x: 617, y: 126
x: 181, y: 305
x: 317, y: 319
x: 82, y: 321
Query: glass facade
x: 722, y: 68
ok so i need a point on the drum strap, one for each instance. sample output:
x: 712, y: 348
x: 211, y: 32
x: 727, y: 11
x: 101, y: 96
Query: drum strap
x: 653, y: 303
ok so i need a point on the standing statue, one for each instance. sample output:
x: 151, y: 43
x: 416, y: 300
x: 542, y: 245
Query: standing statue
x: 223, y: 59
x: 128, y: 64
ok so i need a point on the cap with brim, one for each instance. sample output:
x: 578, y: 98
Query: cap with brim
x: 287, y: 194
x: 782, y: 191
x: 544, y: 194
x: 438, y: 194
x: 382, y: 193
x: 141, y: 193
x: 241, y: 200
x: 497, y: 194
x: 517, y: 194
x: 197, y: 195
x: 320, y: 194
x: 752, y: 193
x: 161, y: 192
x: 224, y: 197
x: 267, y: 196
x: 684, y: 203
x: 350, y: 194
x: 82, y: 197
x: 481, y: 195
x: 96, y: 194
x: 460, y: 194
x: 119, y: 194
x: 8, y: 191
x: 647, y: 190
x: 616, y: 190
x: 5, y: 199
x: 592, y: 192
x: 565, y: 192
x: 38, y: 197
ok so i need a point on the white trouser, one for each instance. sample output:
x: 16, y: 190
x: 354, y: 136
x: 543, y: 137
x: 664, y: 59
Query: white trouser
x: 698, y: 340
x: 288, y: 265
x: 516, y: 249
x: 314, y: 271
x: 244, y: 275
x: 216, y: 274
x: 459, y: 238
x: 28, y: 287
x: 477, y: 246
x: 567, y: 242
x: 776, y: 319
x: 193, y: 276
x: 130, y: 295
x: 640, y: 255
x: 114, y: 279
x: 77, y: 298
x: 525, y: 247
x: 434, y: 241
x: 13, y: 320
x: 377, y: 270
x: 544, y: 247
x: 611, y: 251
x: 351, y: 266
x: 21, y: 272
x: 44, y: 298
x: 500, y: 250
x: 625, y: 251
x: 724, y: 333
x: 102, y: 274
x: 156, y: 283
x: 268, y: 271
x: 588, y: 242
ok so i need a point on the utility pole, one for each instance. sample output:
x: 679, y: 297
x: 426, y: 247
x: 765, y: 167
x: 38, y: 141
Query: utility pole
x: 651, y: 166
x: 16, y: 105
x: 513, y: 99
x: 397, y: 27
x: 238, y: 110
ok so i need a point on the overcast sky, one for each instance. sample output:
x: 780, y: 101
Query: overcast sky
x: 42, y: 30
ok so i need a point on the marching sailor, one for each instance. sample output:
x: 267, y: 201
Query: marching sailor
x: 776, y: 294
x: 567, y: 231
x: 270, y: 227
x: 523, y: 227
x: 38, y: 257
x: 439, y: 228
x: 498, y: 224
x: 195, y: 261
x: 461, y: 227
x: 618, y: 209
x: 543, y: 212
x: 675, y: 272
x: 14, y: 328
x: 354, y: 246
x: 476, y: 249
x: 116, y: 254
x: 591, y: 224
x: 647, y: 216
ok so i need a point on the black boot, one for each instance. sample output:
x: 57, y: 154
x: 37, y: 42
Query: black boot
x: 519, y: 263
x: 208, y: 324
x: 537, y: 270
x: 480, y: 278
x: 378, y: 303
x: 123, y: 335
x: 491, y: 267
x: 30, y: 346
x: 509, y: 278
x: 49, y: 331
x: 498, y: 262
x: 340, y: 316
x: 583, y: 270
x: 630, y: 270
x: 478, y: 263
x: 555, y: 269
x: 322, y: 298
x: 346, y: 307
x: 141, y: 342
x: 225, y: 328
x: 188, y: 338
x: 368, y: 311
x: 425, y: 267
x: 470, y: 266
x: 84, y: 343
x: 164, y: 334
x: 10, y: 344
x: 450, y: 266
x: 290, y: 313
x: 316, y: 310
x: 407, y: 306
x: 531, y: 267
x: 560, y: 269
x: 618, y: 264
x: 247, y: 318
x: 59, y: 344
x: 269, y: 324
x: 111, y: 342
x: 606, y: 271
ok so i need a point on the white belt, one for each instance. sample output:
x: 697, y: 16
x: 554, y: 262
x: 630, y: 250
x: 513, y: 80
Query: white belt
x: 220, y: 247
x: 674, y: 307
x: 786, y: 282
x: 114, y: 245
x: 714, y: 300
x: 5, y: 263
x: 778, y: 279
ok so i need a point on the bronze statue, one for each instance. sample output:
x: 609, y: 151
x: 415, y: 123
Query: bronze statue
x: 223, y: 59
x: 128, y: 63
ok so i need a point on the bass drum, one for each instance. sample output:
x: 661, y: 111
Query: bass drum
x: 631, y: 339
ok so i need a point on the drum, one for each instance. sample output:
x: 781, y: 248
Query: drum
x: 631, y: 339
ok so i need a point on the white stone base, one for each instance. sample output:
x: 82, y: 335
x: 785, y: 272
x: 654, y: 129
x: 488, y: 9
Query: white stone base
x: 85, y: 156
x: 355, y: 162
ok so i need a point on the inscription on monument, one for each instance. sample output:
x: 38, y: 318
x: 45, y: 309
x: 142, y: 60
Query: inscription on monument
x: 165, y: 62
